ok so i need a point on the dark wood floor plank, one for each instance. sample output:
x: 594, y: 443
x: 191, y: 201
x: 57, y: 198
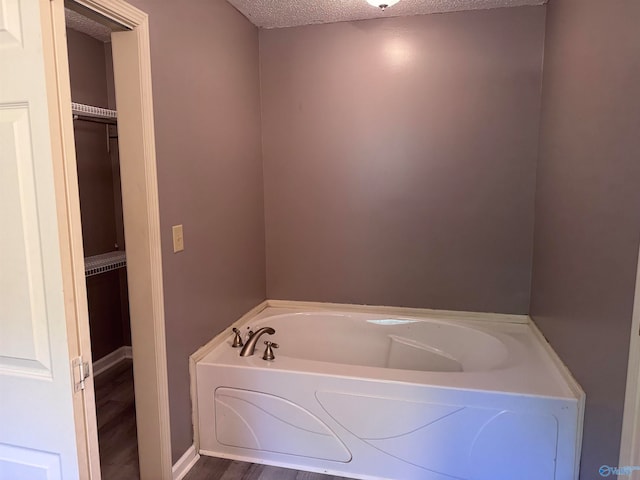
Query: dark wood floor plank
x: 275, y: 473
x: 316, y: 476
x: 115, y: 409
x: 118, y: 440
x: 208, y: 468
x: 242, y: 470
x: 120, y: 472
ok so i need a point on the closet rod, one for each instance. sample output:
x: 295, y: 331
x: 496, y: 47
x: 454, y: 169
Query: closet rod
x: 108, y: 121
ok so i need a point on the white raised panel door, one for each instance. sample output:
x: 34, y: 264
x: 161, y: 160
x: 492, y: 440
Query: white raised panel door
x: 37, y: 434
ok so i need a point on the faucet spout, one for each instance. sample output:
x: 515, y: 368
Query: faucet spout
x: 250, y: 346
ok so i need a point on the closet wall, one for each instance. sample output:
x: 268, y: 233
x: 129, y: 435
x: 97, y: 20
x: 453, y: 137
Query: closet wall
x: 91, y: 75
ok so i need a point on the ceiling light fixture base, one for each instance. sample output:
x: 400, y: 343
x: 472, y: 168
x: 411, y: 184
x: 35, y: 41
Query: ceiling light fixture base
x: 382, y: 4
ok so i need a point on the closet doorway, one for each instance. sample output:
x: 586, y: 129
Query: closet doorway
x: 118, y: 224
x: 95, y: 126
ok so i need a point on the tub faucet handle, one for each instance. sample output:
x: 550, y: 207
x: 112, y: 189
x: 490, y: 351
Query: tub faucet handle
x: 237, y: 340
x: 268, y: 352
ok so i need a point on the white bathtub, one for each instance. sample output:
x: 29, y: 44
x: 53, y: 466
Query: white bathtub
x: 374, y: 396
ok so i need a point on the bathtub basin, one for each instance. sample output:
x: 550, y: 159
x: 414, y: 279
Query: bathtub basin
x: 377, y: 396
x: 407, y: 344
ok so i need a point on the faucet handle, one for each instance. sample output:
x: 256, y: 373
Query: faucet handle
x: 237, y: 340
x: 268, y: 352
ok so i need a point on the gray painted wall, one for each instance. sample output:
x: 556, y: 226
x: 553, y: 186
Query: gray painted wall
x: 399, y: 159
x: 588, y: 205
x: 204, y: 60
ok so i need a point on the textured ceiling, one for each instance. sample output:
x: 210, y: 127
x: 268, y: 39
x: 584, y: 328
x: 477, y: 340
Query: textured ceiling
x: 77, y: 22
x: 290, y: 13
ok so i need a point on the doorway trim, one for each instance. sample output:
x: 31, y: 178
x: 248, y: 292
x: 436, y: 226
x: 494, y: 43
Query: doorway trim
x: 630, y: 440
x: 132, y: 68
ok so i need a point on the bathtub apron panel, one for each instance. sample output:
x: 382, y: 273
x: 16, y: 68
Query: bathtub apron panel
x: 263, y: 422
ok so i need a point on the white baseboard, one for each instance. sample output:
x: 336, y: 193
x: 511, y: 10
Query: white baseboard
x: 108, y: 361
x: 185, y: 463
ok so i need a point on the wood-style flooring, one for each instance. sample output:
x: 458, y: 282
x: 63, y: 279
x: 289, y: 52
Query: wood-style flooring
x: 119, y: 444
x: 116, y: 413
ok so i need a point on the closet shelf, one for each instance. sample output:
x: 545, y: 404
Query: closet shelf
x: 104, y: 262
x: 94, y: 114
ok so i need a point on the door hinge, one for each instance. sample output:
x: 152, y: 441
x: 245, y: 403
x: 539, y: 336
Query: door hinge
x: 81, y: 372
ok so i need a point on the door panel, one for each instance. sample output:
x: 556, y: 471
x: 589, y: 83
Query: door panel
x: 24, y: 344
x: 37, y: 432
x: 10, y: 26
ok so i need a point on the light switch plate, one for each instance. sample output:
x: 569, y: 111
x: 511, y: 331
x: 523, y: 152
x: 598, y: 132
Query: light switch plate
x: 178, y: 238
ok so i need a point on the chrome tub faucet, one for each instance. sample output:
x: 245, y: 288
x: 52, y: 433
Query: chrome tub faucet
x: 250, y: 346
